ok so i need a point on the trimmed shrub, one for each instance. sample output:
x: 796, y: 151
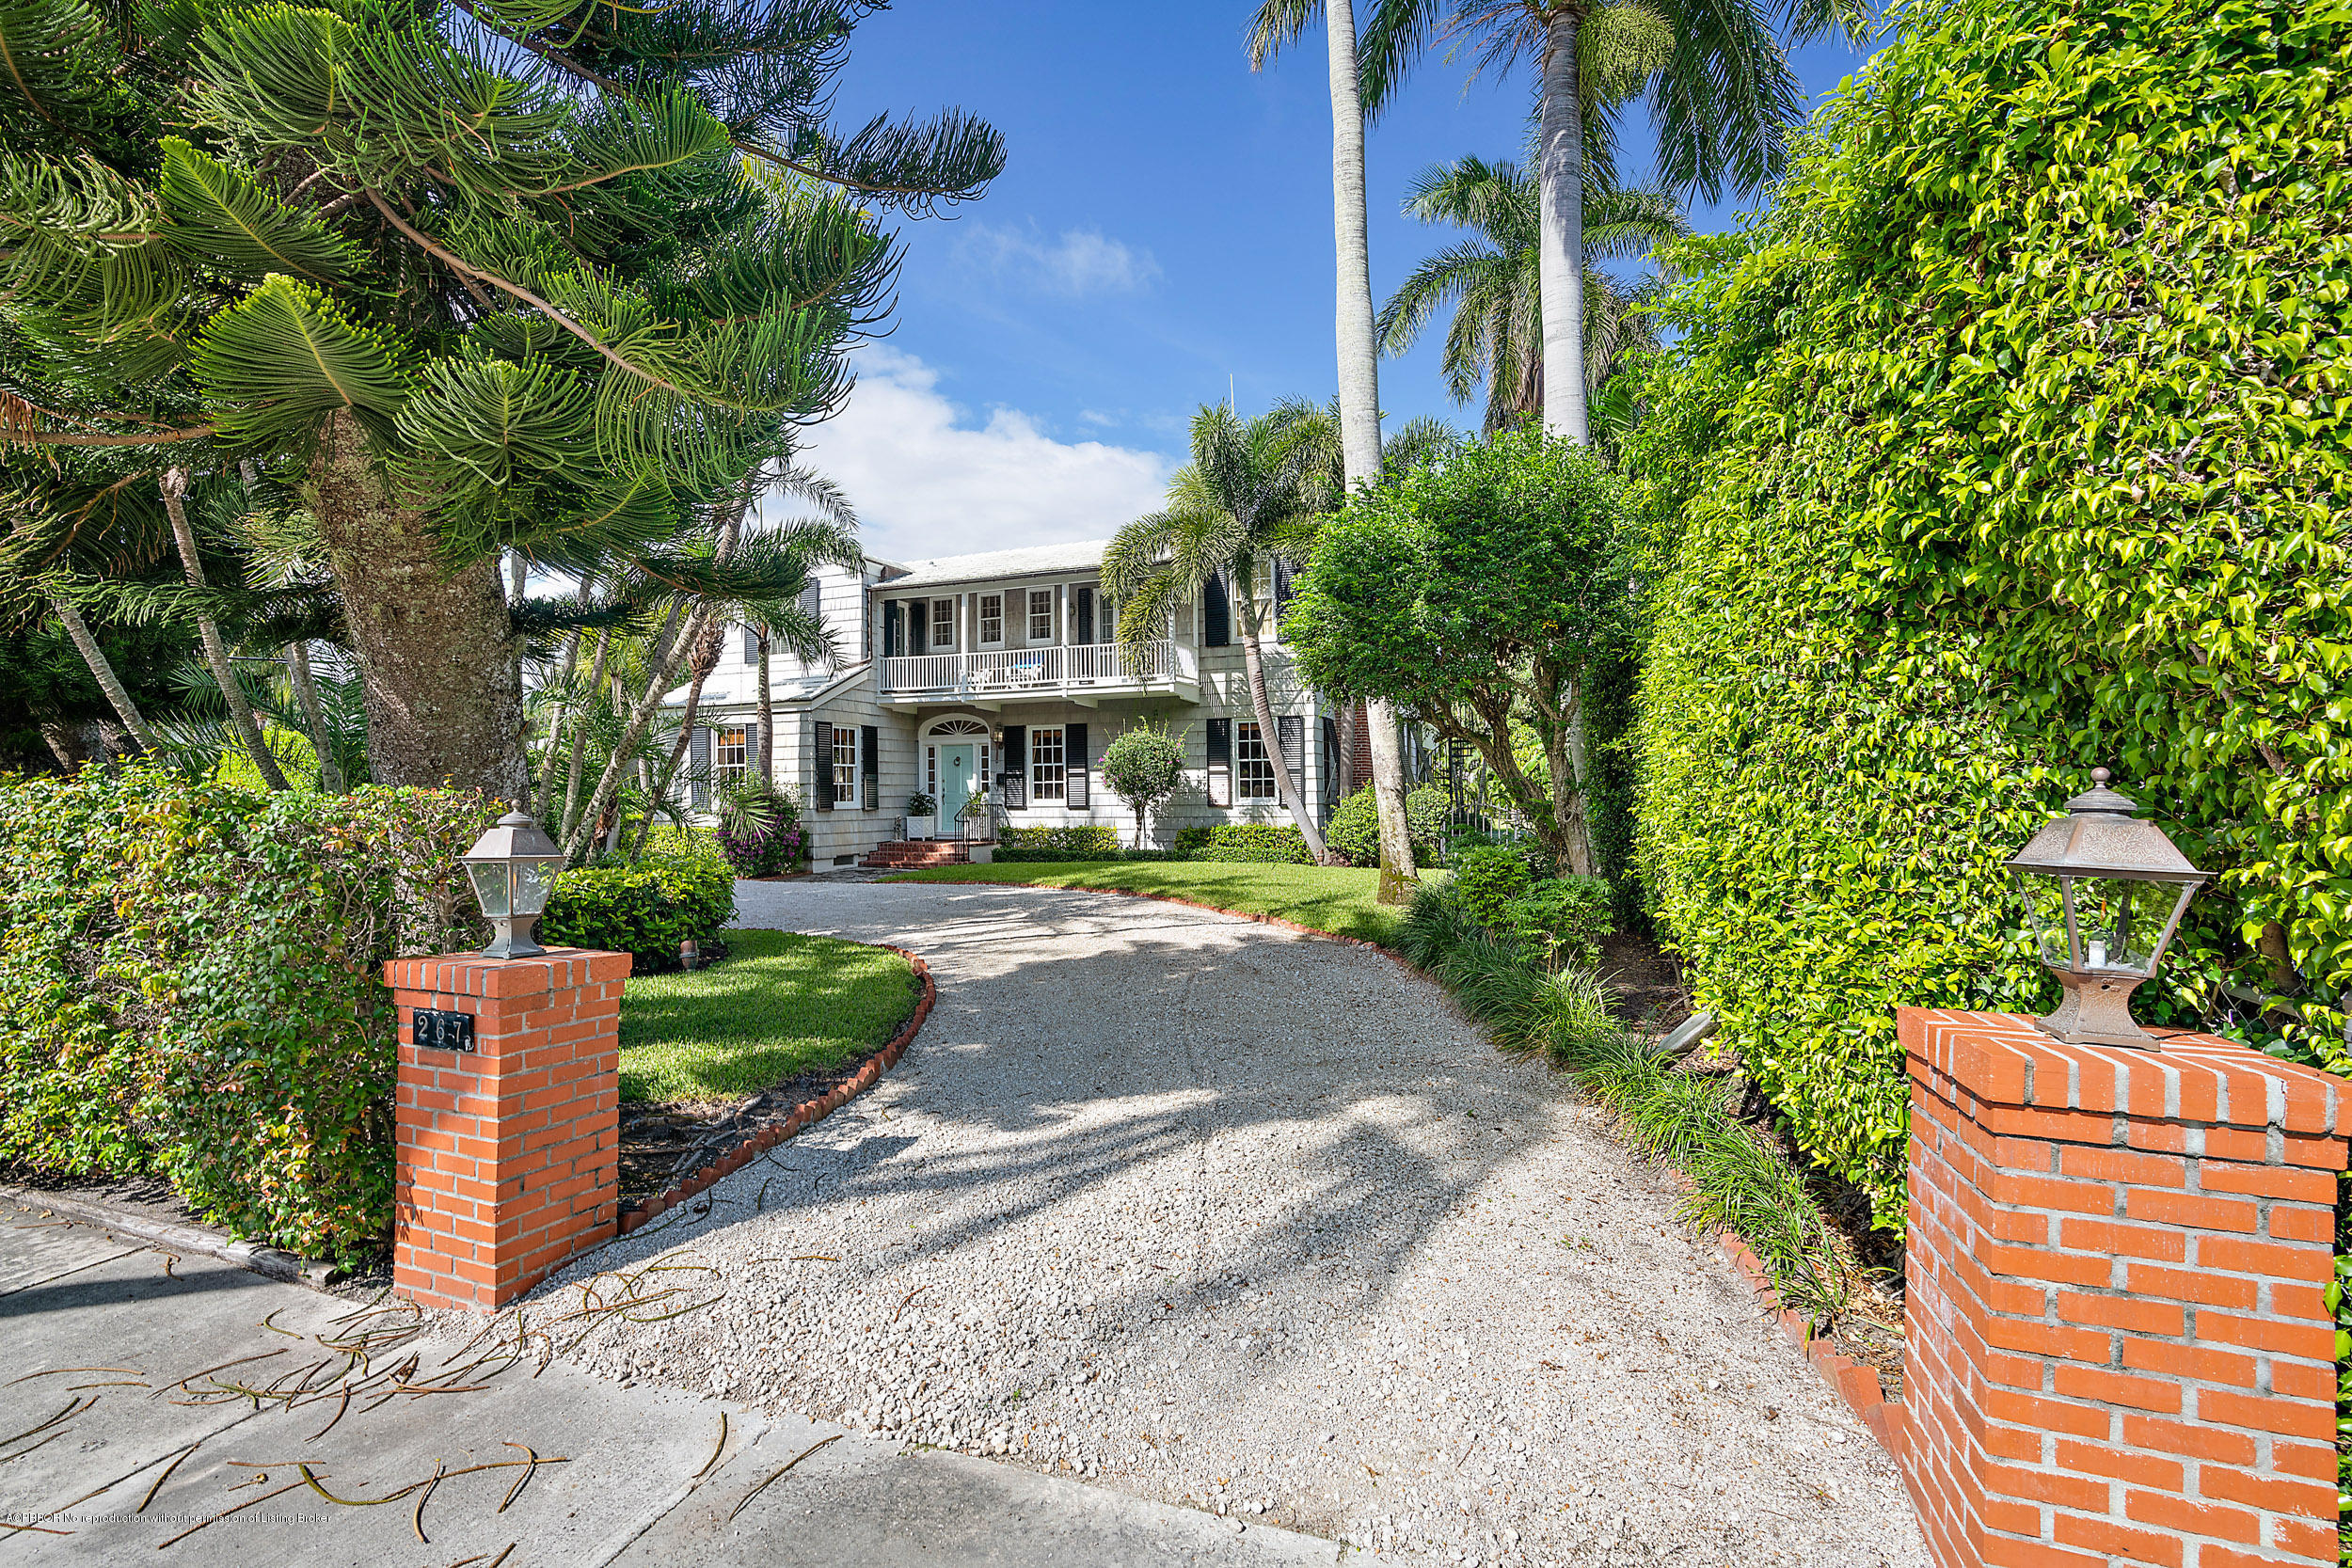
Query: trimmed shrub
x: 1083, y: 841
x: 1355, y: 827
x: 1562, y: 919
x: 1491, y: 877
x: 191, y: 987
x: 1245, y: 843
x: 682, y: 888
x: 2008, y: 444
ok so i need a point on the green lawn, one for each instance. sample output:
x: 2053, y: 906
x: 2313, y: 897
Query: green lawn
x: 782, y: 1003
x: 1338, y: 900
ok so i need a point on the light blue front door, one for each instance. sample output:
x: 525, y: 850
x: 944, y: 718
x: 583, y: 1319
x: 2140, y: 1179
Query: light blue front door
x: 957, y: 766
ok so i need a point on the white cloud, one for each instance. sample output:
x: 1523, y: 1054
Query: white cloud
x: 1078, y: 262
x: 928, y: 482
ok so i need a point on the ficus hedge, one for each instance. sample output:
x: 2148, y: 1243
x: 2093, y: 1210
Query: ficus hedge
x: 191, y: 987
x: 2009, y: 441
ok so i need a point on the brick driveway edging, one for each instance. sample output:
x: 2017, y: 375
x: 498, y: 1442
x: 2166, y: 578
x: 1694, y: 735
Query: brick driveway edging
x: 807, y: 1114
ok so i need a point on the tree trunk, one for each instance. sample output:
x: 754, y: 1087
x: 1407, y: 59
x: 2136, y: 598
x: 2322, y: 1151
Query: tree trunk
x: 1559, y: 261
x: 1359, y: 397
x: 103, y: 671
x: 658, y: 683
x: 595, y: 690
x: 545, y: 794
x: 766, y: 758
x: 434, y: 645
x: 306, y: 697
x: 65, y: 744
x: 175, y: 488
x: 1270, y: 734
x: 1564, y: 758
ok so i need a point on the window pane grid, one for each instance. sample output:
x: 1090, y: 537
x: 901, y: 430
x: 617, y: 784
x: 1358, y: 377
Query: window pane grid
x: 991, y: 617
x: 1047, y: 779
x: 1041, y: 615
x: 845, y: 766
x: 1252, y: 769
x: 943, y: 623
x: 730, y: 755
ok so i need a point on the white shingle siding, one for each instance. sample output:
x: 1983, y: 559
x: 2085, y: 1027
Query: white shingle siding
x: 850, y: 694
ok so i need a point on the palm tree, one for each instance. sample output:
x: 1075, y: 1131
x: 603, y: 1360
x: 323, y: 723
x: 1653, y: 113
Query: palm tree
x: 1278, y: 22
x: 1247, y: 497
x: 1720, y: 90
x: 1493, y: 340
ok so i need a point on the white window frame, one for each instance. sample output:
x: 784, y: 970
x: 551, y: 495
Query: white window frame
x: 991, y: 617
x: 1041, y: 619
x: 1049, y: 779
x: 726, y: 768
x: 943, y: 626
x: 1253, y: 775
x: 845, y: 774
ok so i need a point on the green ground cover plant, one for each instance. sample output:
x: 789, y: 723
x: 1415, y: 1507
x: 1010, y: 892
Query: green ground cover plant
x: 1335, y: 899
x: 780, y: 1004
x: 682, y: 887
x: 2008, y: 443
x: 191, y: 987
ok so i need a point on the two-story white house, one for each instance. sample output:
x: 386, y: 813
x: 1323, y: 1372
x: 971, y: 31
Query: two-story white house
x: 999, y: 676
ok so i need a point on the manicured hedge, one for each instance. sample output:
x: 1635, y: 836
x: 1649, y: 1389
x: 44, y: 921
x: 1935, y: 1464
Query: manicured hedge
x: 1355, y: 829
x: 1245, y: 843
x: 191, y: 987
x: 1085, y: 841
x: 684, y: 887
x: 2011, y: 441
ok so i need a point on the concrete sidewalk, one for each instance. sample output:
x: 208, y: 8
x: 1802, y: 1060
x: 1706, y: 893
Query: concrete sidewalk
x: 121, y: 1385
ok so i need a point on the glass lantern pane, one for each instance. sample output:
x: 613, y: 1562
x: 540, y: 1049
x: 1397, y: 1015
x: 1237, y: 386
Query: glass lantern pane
x: 489, y: 886
x: 2122, y: 921
x: 534, y: 882
x: 2046, y: 912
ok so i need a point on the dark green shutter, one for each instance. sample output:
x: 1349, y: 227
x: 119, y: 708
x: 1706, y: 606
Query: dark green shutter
x: 869, y: 765
x: 1014, y: 775
x: 890, y: 629
x: 822, y: 744
x: 1081, y: 614
x: 1220, y: 762
x: 918, y: 624
x: 1217, y: 614
x: 1281, y: 592
x: 1075, y: 766
x: 751, y: 645
x: 1290, y: 730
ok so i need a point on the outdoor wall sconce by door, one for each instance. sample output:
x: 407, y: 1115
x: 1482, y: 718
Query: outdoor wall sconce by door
x: 2104, y: 892
x: 512, y: 867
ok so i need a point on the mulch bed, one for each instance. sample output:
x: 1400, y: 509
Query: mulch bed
x: 662, y: 1145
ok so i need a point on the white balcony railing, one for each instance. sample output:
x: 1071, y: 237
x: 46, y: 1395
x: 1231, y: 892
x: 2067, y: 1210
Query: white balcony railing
x: 1039, y: 669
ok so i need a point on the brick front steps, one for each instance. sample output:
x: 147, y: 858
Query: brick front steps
x: 914, y: 854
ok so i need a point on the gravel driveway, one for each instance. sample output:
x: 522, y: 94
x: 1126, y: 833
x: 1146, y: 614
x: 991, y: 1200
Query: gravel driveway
x: 1224, y: 1216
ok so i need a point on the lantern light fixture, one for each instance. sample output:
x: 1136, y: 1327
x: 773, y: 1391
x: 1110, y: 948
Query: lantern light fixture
x: 2105, y: 891
x: 512, y: 867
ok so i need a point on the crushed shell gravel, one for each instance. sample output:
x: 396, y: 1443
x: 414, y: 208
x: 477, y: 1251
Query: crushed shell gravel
x: 1224, y: 1216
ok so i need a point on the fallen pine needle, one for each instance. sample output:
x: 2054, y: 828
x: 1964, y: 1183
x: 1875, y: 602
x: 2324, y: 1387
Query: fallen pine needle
x: 61, y: 1371
x: 416, y: 1520
x: 166, y: 1475
x: 778, y: 1471
x: 719, y: 1448
x: 224, y: 1514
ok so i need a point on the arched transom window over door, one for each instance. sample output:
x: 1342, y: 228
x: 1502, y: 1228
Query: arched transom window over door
x: 955, y: 763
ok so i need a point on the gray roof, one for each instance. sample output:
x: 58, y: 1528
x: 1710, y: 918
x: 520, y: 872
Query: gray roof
x: 990, y: 565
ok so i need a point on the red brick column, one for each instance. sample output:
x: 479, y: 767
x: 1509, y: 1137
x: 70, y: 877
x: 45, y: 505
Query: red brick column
x: 509, y: 1154
x: 2116, y: 1350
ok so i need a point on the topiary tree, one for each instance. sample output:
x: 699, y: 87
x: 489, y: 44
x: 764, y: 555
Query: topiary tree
x: 1143, y: 765
x: 430, y: 282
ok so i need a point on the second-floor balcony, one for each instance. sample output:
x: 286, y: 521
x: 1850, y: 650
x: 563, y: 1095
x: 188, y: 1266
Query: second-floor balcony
x: 1083, y: 673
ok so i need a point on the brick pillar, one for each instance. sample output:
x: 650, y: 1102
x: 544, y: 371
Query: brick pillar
x: 509, y: 1154
x: 2116, y: 1350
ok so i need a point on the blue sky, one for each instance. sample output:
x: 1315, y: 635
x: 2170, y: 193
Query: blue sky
x: 1164, y: 223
